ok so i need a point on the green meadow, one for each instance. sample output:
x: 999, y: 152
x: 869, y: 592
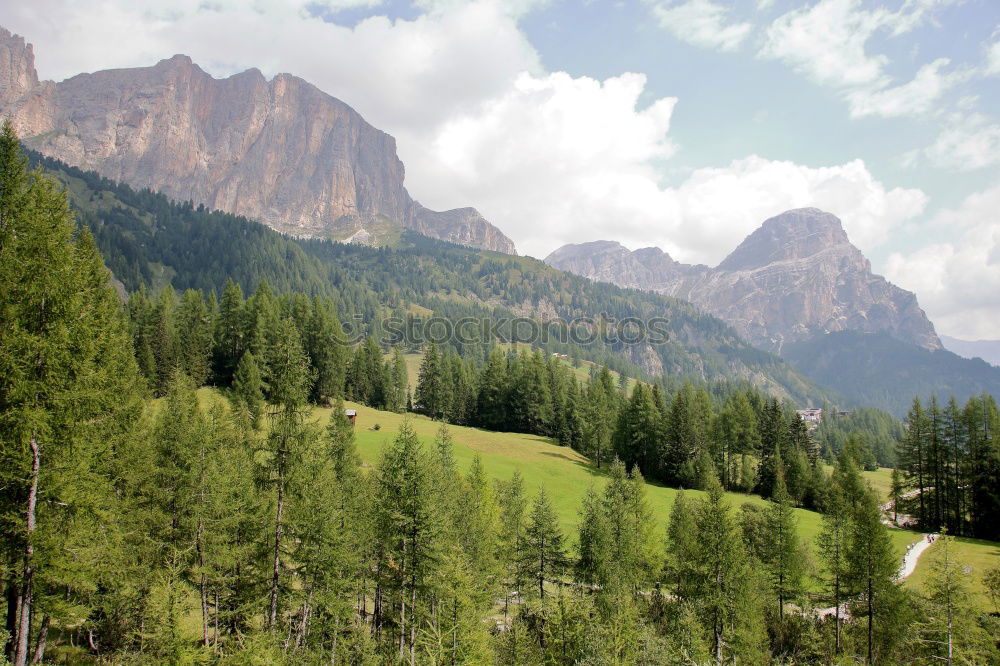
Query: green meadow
x: 566, y: 475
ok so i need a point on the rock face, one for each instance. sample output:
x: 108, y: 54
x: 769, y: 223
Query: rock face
x: 279, y: 151
x: 796, y: 277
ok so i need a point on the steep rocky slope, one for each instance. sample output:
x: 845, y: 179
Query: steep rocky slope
x: 280, y: 151
x: 797, y: 276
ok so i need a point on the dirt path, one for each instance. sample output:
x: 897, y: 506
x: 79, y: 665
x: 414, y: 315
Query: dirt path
x: 913, y: 553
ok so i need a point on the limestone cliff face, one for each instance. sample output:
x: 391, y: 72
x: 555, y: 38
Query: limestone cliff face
x: 279, y: 151
x: 796, y: 277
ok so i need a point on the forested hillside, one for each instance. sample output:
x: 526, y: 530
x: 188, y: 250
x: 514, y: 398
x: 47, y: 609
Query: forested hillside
x: 880, y: 371
x: 242, y: 531
x: 149, y: 240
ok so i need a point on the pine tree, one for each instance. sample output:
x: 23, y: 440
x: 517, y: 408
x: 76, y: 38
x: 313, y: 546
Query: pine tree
x: 230, y: 334
x: 544, y: 550
x: 774, y: 435
x: 430, y: 394
x: 871, y: 569
x: 951, y: 633
x: 326, y: 346
x: 722, y: 584
x: 65, y: 362
x: 194, y: 325
x: 637, y: 434
x: 786, y: 562
x: 248, y: 387
x: 530, y: 395
x: 491, y: 399
x: 398, y: 382
x: 682, y: 547
x: 593, y: 542
x: 832, y: 541
x: 512, y: 536
x: 913, y: 457
x: 408, y: 526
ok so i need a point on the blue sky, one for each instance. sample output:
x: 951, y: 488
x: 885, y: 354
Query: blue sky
x: 677, y: 123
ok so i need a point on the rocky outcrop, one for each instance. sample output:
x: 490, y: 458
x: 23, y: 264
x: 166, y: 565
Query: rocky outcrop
x: 796, y: 277
x: 280, y: 151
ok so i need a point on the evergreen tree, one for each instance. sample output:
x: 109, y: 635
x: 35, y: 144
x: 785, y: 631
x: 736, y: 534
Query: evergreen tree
x: 950, y: 632
x: 230, y: 334
x: 682, y: 546
x: 834, y: 535
x: 398, y: 382
x: 786, y: 561
x: 194, y: 325
x: 492, y: 395
x: 512, y: 541
x: 408, y: 526
x: 871, y: 571
x: 430, y: 396
x: 722, y: 582
x: 544, y: 550
x: 326, y: 346
x: 600, y: 405
x: 774, y: 435
x: 530, y: 395
x: 248, y: 387
x: 69, y: 391
x: 636, y: 437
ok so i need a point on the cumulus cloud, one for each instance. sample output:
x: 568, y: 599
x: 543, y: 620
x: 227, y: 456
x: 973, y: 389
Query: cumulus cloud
x: 702, y: 23
x: 957, y: 282
x: 828, y: 43
x: 548, y: 157
x: 912, y: 98
x: 560, y: 159
x: 967, y: 142
x: 402, y: 75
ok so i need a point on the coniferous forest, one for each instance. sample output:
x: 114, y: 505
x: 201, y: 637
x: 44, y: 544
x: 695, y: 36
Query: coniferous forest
x: 147, y: 519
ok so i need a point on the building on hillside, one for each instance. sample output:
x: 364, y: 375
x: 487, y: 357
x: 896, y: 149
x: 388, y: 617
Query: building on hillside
x: 813, y: 415
x: 352, y: 414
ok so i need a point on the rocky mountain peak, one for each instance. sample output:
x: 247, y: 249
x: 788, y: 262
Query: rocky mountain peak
x: 794, y: 234
x: 281, y: 151
x: 795, y: 277
x: 17, y: 66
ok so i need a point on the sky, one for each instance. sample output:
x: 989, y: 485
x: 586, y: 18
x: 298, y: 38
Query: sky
x: 677, y: 123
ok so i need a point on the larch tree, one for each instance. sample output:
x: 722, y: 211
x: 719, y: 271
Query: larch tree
x: 69, y: 385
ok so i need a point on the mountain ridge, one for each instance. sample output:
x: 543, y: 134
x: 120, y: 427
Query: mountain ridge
x: 795, y: 277
x: 281, y: 150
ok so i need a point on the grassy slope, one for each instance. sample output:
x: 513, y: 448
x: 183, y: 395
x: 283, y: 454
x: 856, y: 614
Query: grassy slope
x: 976, y: 555
x: 566, y: 475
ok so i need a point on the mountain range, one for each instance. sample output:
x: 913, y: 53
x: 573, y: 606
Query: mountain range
x: 280, y: 151
x: 988, y: 350
x: 796, y: 277
x: 284, y: 153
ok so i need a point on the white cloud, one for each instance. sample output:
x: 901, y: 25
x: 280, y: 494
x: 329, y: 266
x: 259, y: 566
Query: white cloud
x: 967, y: 142
x: 547, y: 157
x: 702, y: 23
x: 402, y: 75
x: 828, y: 43
x: 720, y: 206
x: 559, y: 160
x: 515, y: 8
x: 957, y: 282
x: 993, y: 58
x: 913, y: 98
